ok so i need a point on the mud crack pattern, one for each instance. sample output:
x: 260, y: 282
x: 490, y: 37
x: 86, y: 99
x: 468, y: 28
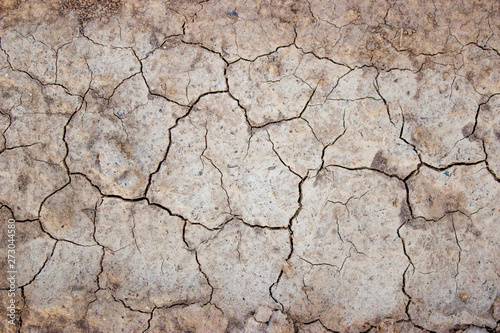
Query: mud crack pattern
x: 251, y: 166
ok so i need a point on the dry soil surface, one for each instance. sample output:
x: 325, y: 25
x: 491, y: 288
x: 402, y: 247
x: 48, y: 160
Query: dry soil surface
x: 250, y: 166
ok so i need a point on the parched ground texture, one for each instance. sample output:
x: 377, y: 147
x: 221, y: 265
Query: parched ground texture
x: 251, y: 166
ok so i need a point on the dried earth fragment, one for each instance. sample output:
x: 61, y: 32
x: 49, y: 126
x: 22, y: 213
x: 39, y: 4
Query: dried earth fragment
x: 295, y: 143
x: 453, y: 280
x: 58, y: 297
x: 84, y: 64
x: 453, y: 246
x: 254, y: 256
x: 460, y: 188
x: 370, y: 140
x: 69, y: 214
x: 119, y: 142
x: 434, y: 119
x: 182, y: 72
x: 346, y: 236
x: 140, y: 26
x: 32, y: 249
x: 107, y: 314
x: 25, y: 181
x: 146, y: 263
x: 243, y: 30
x: 219, y: 168
x: 280, y: 85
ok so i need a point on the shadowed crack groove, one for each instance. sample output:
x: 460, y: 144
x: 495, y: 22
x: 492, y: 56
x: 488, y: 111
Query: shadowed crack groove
x: 149, y: 320
x: 101, y: 269
x: 290, y: 233
x: 218, y: 170
x: 118, y: 300
x: 410, y: 262
x: 377, y: 89
x: 65, y: 129
x: 322, y: 325
x: 23, y: 296
x: 322, y: 166
x: 452, y: 165
x: 279, y: 157
x: 488, y: 167
x: 212, y: 289
x: 403, y: 289
x: 390, y: 175
x: 459, y: 250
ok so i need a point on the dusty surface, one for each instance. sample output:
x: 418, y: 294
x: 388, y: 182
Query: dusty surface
x: 251, y: 166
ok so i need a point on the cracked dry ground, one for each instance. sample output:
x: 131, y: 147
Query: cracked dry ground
x: 251, y: 166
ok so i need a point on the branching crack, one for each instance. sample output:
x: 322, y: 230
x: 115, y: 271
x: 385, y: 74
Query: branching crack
x: 279, y: 157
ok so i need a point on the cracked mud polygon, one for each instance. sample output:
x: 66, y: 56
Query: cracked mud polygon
x: 251, y: 166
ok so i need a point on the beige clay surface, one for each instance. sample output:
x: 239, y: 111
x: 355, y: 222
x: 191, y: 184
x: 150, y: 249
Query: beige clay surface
x: 251, y: 166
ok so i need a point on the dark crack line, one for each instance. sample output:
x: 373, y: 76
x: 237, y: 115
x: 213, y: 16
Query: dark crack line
x: 24, y: 146
x: 410, y: 264
x: 41, y: 268
x: 473, y: 131
x: 488, y: 167
x: 65, y: 129
x: 338, y: 269
x: 101, y: 267
x: 408, y: 143
x: 321, y: 323
x: 133, y: 234
x: 228, y: 200
x: 299, y: 116
x: 119, y: 300
x: 363, y: 168
x: 264, y: 54
x: 259, y: 226
x: 149, y: 320
x: 290, y: 233
x: 376, y: 85
x: 279, y: 157
x: 332, y: 143
x: 108, y: 98
x: 275, y: 285
x: 212, y: 289
x: 435, y: 168
x: 459, y: 251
